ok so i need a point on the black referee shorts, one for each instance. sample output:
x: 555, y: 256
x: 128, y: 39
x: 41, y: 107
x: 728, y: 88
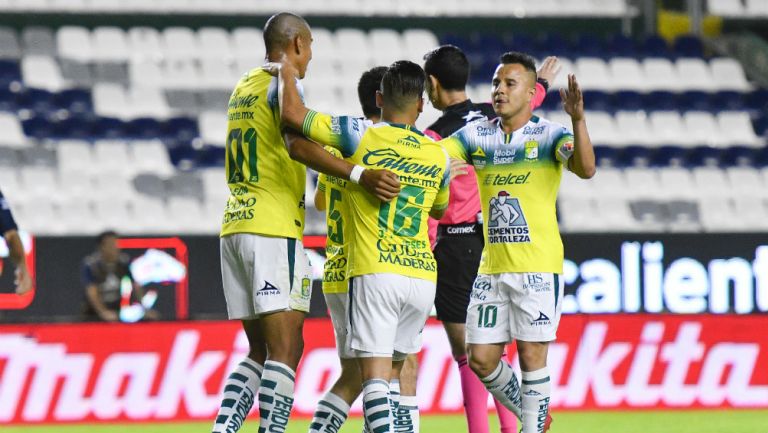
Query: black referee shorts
x: 457, y: 254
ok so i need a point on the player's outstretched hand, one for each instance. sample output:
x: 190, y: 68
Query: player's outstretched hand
x: 23, y: 281
x: 550, y: 69
x: 458, y: 168
x: 573, y: 100
x: 383, y: 184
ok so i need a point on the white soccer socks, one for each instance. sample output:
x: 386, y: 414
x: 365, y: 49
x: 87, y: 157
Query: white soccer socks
x: 376, y: 407
x: 502, y: 384
x: 330, y: 414
x: 405, y: 417
x: 535, y: 400
x: 275, y: 396
x: 239, y: 395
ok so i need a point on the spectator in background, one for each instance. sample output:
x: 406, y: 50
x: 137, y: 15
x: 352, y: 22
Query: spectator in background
x: 10, y: 232
x: 103, y: 274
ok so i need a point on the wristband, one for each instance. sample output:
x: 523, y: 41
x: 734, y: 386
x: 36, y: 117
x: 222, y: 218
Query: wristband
x: 544, y: 83
x: 354, y: 175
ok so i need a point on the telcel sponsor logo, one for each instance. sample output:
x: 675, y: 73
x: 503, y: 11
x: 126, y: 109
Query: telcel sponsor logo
x: 642, y: 282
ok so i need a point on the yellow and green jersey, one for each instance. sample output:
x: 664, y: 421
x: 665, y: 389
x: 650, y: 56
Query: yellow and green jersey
x: 518, y: 176
x: 388, y: 237
x: 266, y: 186
x: 337, y: 241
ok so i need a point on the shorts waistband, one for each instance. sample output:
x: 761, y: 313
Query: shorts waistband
x: 466, y: 229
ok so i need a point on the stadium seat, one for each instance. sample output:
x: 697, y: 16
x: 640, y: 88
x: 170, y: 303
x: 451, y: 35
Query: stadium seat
x: 609, y: 183
x: 747, y: 181
x: 182, y: 155
x: 38, y: 41
x: 248, y: 44
x: 756, y: 8
x: 602, y: 128
x: 110, y: 44
x: 627, y: 74
x: 36, y: 157
x: 418, y: 42
x: 592, y: 73
x: 353, y: 43
x: 650, y: 214
x: 38, y: 183
x: 145, y: 46
x: 576, y: 214
x: 215, y: 44
x: 655, y: 46
x: 678, y: 183
x: 694, y: 74
x: 75, y: 157
x: 709, y: 182
x: 614, y: 214
x: 634, y: 128
x: 683, y: 216
x: 643, y: 182
x: 730, y: 8
x: 74, y: 43
x: 77, y: 73
x: 688, y: 46
x: 702, y: 128
x: 386, y: 46
x: 668, y: 127
x: 111, y: 100
x: 727, y: 74
x: 179, y: 43
x: 12, y: 135
x: 74, y: 186
x: 187, y: 215
x: 9, y: 44
x: 736, y: 128
x: 660, y: 74
x: 42, y: 72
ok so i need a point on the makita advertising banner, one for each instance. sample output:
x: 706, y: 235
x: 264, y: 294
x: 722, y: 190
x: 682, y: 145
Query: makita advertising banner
x: 175, y: 371
x: 603, y: 273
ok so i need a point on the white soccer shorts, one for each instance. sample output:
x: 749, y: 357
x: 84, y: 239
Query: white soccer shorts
x: 263, y: 274
x: 338, y: 306
x: 387, y: 314
x: 514, y: 306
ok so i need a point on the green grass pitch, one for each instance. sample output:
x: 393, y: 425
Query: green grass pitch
x: 691, y: 421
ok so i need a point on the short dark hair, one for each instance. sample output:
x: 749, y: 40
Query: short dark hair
x: 449, y: 65
x: 105, y: 234
x: 281, y: 28
x: 403, y: 82
x: 515, y: 57
x: 369, y: 83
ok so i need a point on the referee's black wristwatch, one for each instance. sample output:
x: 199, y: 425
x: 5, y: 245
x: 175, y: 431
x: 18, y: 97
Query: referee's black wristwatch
x: 543, y: 82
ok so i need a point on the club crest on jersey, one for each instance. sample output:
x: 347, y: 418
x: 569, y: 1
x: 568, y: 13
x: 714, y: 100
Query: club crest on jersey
x: 531, y: 150
x: 507, y: 223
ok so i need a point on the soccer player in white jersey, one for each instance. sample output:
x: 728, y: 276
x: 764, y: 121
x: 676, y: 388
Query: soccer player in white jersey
x: 263, y: 264
x: 518, y: 292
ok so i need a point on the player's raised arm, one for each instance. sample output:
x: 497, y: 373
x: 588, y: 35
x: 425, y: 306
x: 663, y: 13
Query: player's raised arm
x: 292, y: 109
x: 582, y: 162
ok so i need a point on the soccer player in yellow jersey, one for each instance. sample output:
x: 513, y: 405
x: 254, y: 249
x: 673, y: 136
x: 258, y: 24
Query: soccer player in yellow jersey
x: 390, y: 261
x: 263, y: 264
x: 518, y: 292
